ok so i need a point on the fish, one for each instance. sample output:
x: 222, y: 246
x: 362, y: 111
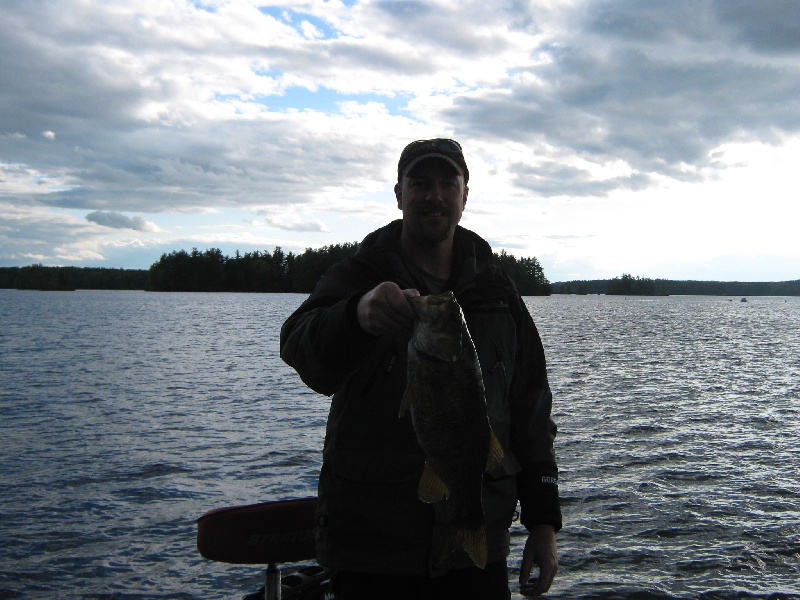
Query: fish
x: 447, y: 401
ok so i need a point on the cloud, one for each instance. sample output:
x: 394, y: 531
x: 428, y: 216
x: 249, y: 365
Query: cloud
x: 567, y: 237
x: 646, y: 84
x: 33, y: 234
x: 170, y: 107
x: 117, y: 220
x: 552, y: 178
x: 186, y: 107
x: 295, y: 223
x: 767, y: 27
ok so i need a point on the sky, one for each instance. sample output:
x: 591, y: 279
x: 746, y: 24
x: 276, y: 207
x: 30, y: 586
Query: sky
x: 657, y: 139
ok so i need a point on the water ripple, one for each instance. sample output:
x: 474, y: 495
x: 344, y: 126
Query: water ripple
x: 127, y: 415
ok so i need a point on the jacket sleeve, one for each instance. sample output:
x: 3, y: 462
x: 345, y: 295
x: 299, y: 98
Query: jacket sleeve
x: 322, y: 339
x: 533, y: 430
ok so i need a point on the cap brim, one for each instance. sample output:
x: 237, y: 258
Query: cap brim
x: 430, y: 155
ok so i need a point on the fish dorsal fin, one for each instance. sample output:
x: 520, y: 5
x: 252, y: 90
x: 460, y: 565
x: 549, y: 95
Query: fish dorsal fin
x: 431, y: 487
x: 495, y: 453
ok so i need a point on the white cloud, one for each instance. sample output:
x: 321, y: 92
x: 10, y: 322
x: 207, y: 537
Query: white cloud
x: 291, y: 219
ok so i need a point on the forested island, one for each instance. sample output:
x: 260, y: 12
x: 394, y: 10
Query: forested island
x: 628, y: 285
x: 278, y: 271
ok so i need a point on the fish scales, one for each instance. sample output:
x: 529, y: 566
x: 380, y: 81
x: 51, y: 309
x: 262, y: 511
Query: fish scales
x: 447, y: 401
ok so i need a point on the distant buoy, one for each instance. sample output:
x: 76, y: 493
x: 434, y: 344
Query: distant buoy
x: 743, y: 300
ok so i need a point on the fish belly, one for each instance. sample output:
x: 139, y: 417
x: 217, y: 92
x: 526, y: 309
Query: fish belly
x: 449, y: 416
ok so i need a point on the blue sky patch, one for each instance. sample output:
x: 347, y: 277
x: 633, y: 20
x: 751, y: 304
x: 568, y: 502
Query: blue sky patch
x: 204, y: 6
x: 296, y: 19
x: 327, y: 100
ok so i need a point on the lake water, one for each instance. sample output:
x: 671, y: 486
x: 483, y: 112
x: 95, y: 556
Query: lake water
x: 127, y: 415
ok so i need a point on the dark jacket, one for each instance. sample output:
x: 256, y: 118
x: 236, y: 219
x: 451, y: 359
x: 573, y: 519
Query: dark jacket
x: 369, y: 516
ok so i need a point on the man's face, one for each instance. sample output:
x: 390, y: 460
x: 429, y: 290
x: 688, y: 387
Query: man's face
x: 432, y: 197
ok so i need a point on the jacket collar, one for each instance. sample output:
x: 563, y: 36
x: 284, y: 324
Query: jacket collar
x: 466, y: 243
x: 472, y: 256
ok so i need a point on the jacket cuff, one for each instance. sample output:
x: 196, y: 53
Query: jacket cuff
x: 539, y: 500
x: 351, y: 314
x: 342, y: 323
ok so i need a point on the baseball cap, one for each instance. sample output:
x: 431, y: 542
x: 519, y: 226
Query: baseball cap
x: 415, y: 152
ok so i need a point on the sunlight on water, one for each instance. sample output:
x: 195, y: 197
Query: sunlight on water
x: 127, y: 415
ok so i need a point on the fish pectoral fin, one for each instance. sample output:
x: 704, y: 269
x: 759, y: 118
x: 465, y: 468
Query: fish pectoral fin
x: 431, y: 487
x: 405, y: 405
x: 473, y: 541
x: 496, y: 453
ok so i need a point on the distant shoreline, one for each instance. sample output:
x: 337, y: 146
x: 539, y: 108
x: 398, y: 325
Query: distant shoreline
x: 668, y: 287
x: 96, y: 278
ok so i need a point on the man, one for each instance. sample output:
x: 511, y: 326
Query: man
x: 349, y: 340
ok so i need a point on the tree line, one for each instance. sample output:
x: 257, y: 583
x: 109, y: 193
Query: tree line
x: 211, y: 271
x: 277, y: 271
x: 39, y: 277
x: 643, y: 286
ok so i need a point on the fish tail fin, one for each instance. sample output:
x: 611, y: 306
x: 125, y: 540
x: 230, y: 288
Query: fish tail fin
x: 495, y: 453
x: 431, y: 487
x: 473, y: 540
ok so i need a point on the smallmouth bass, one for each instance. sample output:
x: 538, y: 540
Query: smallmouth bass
x: 447, y: 401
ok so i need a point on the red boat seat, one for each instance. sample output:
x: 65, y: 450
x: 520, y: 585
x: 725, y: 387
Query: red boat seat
x: 270, y: 532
